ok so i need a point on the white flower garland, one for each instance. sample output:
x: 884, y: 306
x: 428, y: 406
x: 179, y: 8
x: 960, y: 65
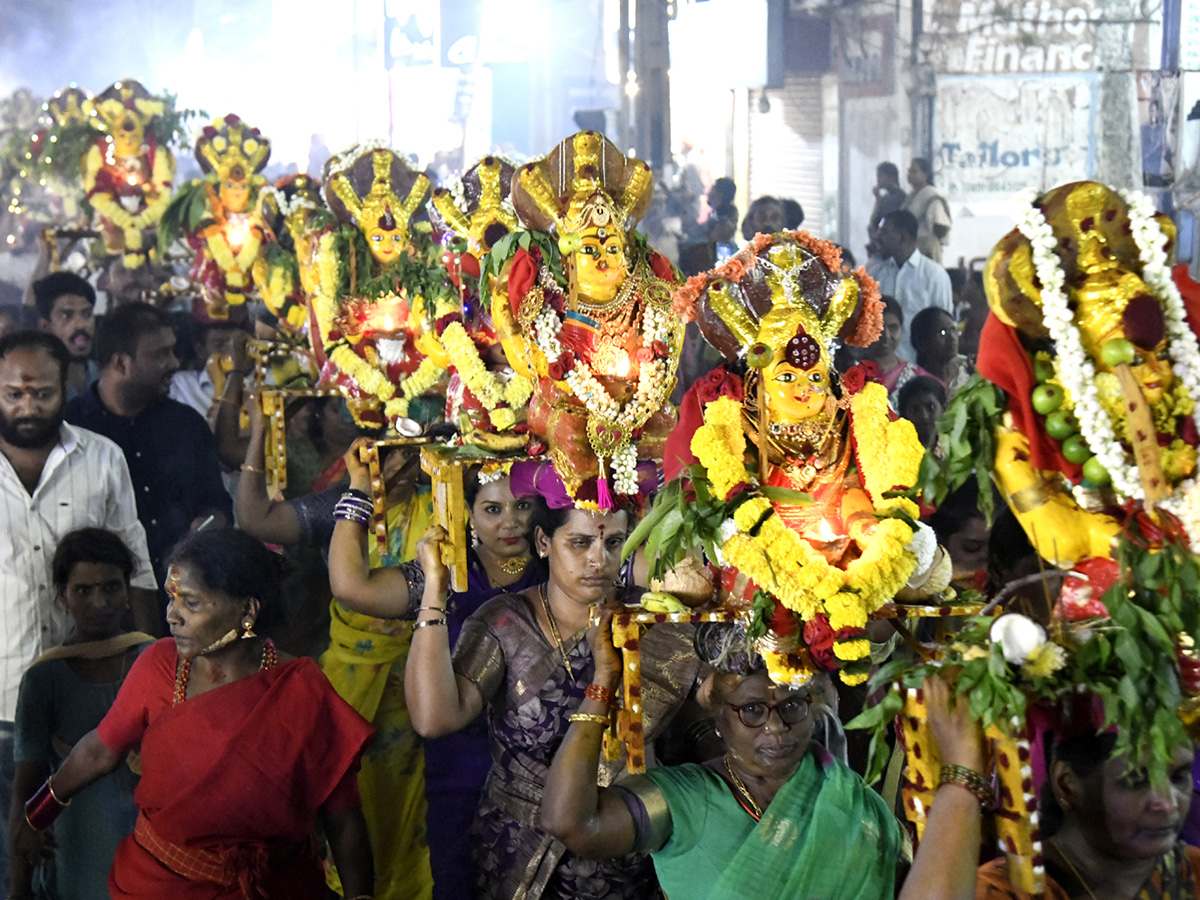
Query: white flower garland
x: 1182, y: 346
x: 349, y: 157
x: 652, y: 377
x: 287, y: 207
x: 1074, y: 369
x: 1181, y: 340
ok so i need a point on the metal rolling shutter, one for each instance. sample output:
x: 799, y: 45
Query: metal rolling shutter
x: 786, y: 147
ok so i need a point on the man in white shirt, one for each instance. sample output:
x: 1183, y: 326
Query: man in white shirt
x: 915, y: 280
x: 54, y: 478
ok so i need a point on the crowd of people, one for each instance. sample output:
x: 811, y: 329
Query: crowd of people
x: 328, y: 716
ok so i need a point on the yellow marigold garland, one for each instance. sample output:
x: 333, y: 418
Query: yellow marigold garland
x: 889, y: 453
x: 781, y: 561
x: 485, y: 385
x: 720, y: 446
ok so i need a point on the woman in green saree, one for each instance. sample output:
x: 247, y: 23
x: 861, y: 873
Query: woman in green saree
x: 776, y: 816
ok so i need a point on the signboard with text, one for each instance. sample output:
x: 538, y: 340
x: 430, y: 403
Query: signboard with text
x: 997, y: 136
x: 989, y: 37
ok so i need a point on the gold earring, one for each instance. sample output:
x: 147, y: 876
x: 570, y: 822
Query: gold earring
x: 248, y: 629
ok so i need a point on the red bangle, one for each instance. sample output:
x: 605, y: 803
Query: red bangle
x: 43, y: 807
x: 600, y: 693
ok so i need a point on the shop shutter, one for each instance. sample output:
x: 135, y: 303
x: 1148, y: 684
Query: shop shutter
x: 786, y: 147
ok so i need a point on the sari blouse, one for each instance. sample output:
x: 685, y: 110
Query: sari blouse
x: 252, y: 761
x: 529, y: 695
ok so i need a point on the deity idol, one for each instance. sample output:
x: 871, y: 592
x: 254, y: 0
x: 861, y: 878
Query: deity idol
x: 221, y: 213
x: 803, y: 469
x: 1091, y: 342
x: 127, y: 175
x: 588, y: 317
x: 484, y: 395
x: 378, y: 289
x: 296, y: 213
x: 59, y: 191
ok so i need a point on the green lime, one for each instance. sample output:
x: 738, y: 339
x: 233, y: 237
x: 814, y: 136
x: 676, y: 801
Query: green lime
x: 1061, y: 424
x: 1047, y: 398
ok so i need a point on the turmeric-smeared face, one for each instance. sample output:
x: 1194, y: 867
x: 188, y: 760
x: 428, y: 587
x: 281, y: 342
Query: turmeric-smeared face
x: 600, y: 266
x: 1152, y: 369
x: 234, y: 193
x: 128, y: 137
x: 386, y: 244
x: 795, y: 394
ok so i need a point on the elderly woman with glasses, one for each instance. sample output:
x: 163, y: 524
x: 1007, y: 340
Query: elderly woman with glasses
x: 776, y: 816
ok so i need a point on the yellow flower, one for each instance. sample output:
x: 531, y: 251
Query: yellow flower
x: 889, y: 453
x: 503, y: 418
x: 1044, y: 661
x: 851, y: 650
x: 720, y: 446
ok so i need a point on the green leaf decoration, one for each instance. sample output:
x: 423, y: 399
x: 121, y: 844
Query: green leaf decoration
x: 967, y: 437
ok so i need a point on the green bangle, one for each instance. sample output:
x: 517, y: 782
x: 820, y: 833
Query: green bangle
x: 971, y: 780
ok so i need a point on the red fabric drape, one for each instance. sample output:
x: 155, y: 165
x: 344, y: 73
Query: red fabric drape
x: 250, y: 762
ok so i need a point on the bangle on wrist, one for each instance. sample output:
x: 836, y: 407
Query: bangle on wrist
x: 44, y: 807
x: 429, y: 623
x: 246, y: 467
x: 589, y: 717
x: 436, y: 609
x: 601, y: 694
x: 963, y: 777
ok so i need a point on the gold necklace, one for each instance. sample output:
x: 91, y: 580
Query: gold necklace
x: 755, y: 810
x: 554, y: 626
x: 512, y: 565
x: 1071, y: 865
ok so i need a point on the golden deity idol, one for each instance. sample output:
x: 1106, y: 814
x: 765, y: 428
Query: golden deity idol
x: 586, y: 315
x: 1090, y: 340
x: 127, y: 174
x: 221, y: 214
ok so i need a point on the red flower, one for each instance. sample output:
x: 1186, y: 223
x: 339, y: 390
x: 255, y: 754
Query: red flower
x: 819, y: 637
x: 444, y: 322
x: 854, y: 380
x: 718, y: 383
x: 871, y: 370
x: 659, y: 349
x: 561, y: 366
x: 661, y: 266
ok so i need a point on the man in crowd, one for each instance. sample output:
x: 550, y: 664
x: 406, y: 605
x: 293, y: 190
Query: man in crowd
x: 889, y: 196
x: 54, y: 478
x: 171, y: 453
x: 915, y: 280
x: 930, y: 209
x: 66, y: 308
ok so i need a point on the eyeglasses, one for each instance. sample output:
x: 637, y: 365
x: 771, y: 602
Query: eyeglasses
x: 792, y: 711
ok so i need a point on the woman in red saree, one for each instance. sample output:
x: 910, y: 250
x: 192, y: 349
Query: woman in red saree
x: 241, y: 747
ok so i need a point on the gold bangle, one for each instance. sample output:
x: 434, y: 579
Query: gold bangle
x: 429, y: 623
x: 50, y: 788
x: 246, y: 467
x: 589, y: 717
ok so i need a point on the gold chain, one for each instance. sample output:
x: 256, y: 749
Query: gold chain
x: 1070, y: 865
x: 742, y: 789
x: 554, y: 626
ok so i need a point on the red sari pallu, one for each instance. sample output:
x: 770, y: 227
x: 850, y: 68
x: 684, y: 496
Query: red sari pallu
x: 232, y: 781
